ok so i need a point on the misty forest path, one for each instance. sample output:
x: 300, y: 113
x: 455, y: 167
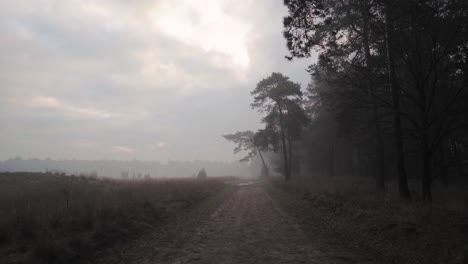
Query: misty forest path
x: 247, y: 226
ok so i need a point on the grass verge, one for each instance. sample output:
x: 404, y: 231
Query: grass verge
x: 381, y: 227
x: 53, y: 218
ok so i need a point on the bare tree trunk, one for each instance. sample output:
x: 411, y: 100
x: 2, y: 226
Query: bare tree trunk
x: 402, y: 178
x: 361, y: 173
x: 332, y: 158
x: 444, y: 164
x: 290, y: 154
x: 426, y: 177
x: 283, y: 139
x: 261, y: 157
x: 381, y: 160
x: 380, y: 147
x: 457, y: 156
x: 265, y: 171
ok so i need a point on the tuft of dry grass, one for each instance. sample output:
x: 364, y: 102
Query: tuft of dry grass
x: 53, y: 218
x: 380, y: 224
x: 448, y: 197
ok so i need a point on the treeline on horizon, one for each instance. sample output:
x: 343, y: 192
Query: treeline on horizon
x: 126, y: 169
x: 388, y: 96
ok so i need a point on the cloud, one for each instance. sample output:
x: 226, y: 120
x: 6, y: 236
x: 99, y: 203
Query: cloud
x: 207, y: 25
x: 161, y: 145
x: 96, y: 79
x: 122, y: 149
x: 55, y: 104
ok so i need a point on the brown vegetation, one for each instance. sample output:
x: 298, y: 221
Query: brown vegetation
x: 380, y: 225
x: 55, y: 218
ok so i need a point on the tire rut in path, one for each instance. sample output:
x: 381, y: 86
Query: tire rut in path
x: 250, y: 228
x: 247, y: 227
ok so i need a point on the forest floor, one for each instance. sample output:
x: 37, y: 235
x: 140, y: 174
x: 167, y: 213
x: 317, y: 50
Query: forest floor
x: 380, y: 226
x: 243, y: 225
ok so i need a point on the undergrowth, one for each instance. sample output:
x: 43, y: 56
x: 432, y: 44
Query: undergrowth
x: 379, y: 225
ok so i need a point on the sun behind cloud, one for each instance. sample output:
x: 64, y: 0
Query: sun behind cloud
x: 206, y: 25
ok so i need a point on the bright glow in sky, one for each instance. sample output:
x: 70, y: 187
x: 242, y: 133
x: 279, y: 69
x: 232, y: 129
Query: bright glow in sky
x: 148, y: 79
x: 204, y: 24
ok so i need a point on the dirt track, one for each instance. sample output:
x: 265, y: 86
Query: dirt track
x: 244, y: 226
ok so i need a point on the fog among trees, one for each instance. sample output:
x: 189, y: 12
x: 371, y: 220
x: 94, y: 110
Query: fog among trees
x: 387, y: 97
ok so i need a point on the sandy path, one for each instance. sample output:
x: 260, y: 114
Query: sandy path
x: 246, y: 227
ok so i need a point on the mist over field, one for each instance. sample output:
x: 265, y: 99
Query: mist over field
x: 222, y: 131
x: 130, y: 169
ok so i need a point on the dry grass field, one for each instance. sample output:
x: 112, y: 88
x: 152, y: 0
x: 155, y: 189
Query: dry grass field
x: 55, y: 218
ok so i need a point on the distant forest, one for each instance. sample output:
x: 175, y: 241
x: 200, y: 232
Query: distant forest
x: 126, y: 169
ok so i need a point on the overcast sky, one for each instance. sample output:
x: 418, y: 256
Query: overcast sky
x: 149, y: 80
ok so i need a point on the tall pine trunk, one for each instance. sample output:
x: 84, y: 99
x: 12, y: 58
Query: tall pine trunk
x: 287, y: 176
x: 380, y: 182
x: 444, y: 162
x: 331, y: 157
x: 265, y: 171
x: 457, y: 157
x: 290, y: 147
x: 402, y: 178
x: 426, y: 177
x: 426, y: 153
x: 380, y: 147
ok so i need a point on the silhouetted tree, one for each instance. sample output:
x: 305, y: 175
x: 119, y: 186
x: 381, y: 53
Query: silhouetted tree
x: 252, y: 143
x: 280, y: 100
